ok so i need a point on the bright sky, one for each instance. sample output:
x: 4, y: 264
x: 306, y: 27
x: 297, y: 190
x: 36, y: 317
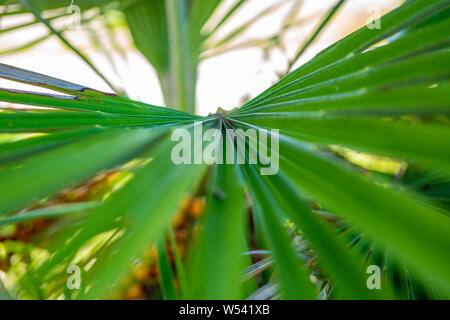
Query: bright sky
x: 223, y: 80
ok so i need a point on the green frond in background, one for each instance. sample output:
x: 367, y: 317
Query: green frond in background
x: 318, y: 223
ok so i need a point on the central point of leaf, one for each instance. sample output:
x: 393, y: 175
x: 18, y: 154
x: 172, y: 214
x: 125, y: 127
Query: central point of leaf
x: 220, y: 113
